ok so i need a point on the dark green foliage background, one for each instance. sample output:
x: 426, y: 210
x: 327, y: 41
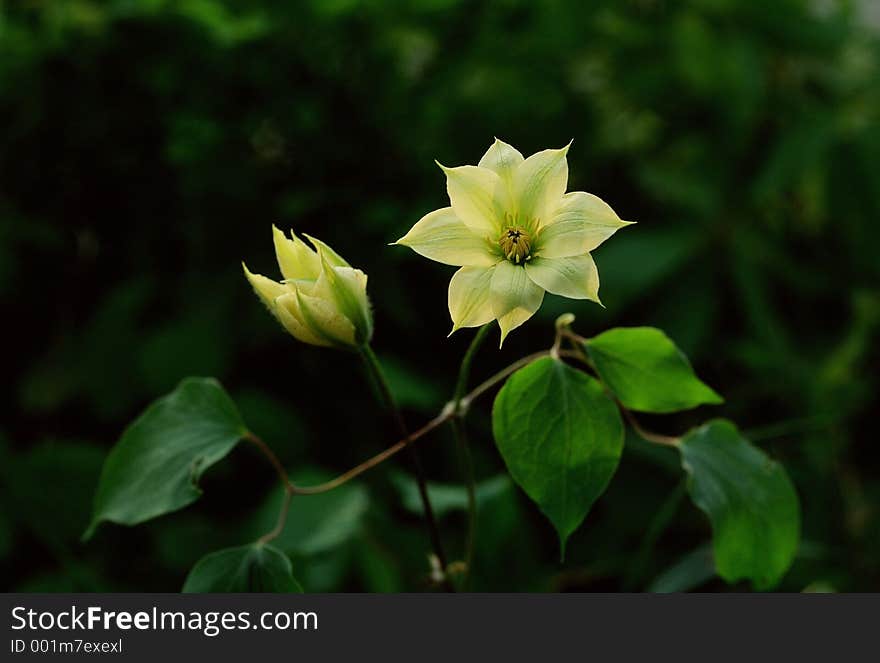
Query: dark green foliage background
x: 147, y: 145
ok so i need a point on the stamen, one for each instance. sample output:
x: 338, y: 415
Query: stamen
x: 515, y: 244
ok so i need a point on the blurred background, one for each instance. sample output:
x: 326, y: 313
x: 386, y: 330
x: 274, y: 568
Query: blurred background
x: 147, y: 146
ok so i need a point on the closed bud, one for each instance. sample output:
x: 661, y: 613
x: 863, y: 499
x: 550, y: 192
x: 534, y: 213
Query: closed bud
x: 321, y: 300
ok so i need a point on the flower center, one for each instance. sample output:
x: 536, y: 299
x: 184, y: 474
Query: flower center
x: 516, y: 244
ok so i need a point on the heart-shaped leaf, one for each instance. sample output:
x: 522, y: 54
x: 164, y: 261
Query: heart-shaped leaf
x: 749, y: 499
x: 647, y: 371
x: 254, y: 568
x: 561, y: 437
x: 155, y: 466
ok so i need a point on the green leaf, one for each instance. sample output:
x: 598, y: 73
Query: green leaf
x: 749, y: 499
x: 561, y: 438
x: 155, y: 466
x: 646, y: 370
x: 254, y: 568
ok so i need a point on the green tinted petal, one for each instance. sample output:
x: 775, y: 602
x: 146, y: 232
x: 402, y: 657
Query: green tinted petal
x: 441, y: 236
x: 345, y: 288
x: 477, y: 196
x: 296, y: 260
x: 580, y: 224
x: 267, y: 289
x: 469, y: 300
x: 539, y: 182
x: 514, y: 297
x: 332, y: 257
x: 503, y: 159
x: 290, y: 316
x: 575, y: 277
x: 324, y: 320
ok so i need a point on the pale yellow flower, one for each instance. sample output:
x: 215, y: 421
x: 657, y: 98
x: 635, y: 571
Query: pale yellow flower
x: 321, y: 300
x: 515, y: 233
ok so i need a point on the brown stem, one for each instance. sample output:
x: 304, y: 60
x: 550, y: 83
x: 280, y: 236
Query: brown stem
x: 375, y: 460
x: 450, y: 411
x: 285, y: 481
x: 268, y: 453
x: 650, y: 436
x: 480, y: 389
x: 374, y: 368
x: 282, y: 518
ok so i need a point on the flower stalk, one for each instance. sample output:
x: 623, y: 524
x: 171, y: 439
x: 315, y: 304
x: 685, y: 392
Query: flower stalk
x: 374, y: 369
x: 463, y: 444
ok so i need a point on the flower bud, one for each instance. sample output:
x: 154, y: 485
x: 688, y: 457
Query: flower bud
x: 321, y: 300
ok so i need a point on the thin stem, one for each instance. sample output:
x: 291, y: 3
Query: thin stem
x: 500, y: 376
x: 282, y: 517
x: 464, y: 450
x: 464, y: 371
x: 285, y: 481
x: 268, y: 453
x: 292, y: 489
x: 374, y: 368
x: 370, y: 463
x: 650, y: 436
x: 466, y: 461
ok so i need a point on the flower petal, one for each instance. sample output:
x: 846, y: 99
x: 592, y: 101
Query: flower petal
x: 345, y: 289
x: 503, y: 159
x: 291, y: 317
x: 267, y: 289
x: 581, y: 223
x: 441, y: 236
x: 575, y: 277
x: 296, y: 260
x: 513, y: 295
x: 469, y: 301
x: 478, y: 197
x: 332, y: 257
x: 325, y: 320
x: 539, y: 182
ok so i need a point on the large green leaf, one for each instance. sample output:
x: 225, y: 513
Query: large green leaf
x: 646, y: 370
x: 749, y: 499
x: 561, y: 438
x: 155, y: 466
x: 254, y: 568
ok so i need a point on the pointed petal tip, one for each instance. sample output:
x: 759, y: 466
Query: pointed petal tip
x: 565, y: 149
x: 316, y: 245
x: 248, y: 273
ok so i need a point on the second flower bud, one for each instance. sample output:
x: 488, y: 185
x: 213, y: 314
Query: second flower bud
x: 322, y: 300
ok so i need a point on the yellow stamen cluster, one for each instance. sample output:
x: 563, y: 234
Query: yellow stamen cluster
x: 516, y: 244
